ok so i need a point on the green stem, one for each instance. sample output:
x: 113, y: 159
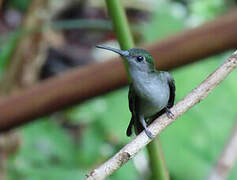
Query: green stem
x: 124, y: 36
x: 157, y: 161
x: 120, y: 25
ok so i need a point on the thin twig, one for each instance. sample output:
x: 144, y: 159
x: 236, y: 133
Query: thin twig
x: 194, y: 97
x: 226, y: 160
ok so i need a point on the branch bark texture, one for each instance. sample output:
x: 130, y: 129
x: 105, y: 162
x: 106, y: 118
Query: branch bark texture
x: 198, y: 94
x: 87, y: 82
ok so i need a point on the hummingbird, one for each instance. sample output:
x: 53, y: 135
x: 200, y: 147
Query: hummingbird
x: 151, y: 92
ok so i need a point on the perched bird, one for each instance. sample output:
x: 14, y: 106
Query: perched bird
x: 151, y: 92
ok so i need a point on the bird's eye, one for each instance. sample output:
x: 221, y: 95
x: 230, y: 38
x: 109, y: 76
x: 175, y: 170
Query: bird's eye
x: 140, y: 58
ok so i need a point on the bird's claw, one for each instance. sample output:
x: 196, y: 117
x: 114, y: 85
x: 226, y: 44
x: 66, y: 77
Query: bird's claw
x: 149, y: 134
x: 169, y: 113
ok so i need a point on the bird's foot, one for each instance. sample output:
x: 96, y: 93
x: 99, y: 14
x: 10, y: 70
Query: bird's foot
x: 169, y: 113
x: 149, y: 134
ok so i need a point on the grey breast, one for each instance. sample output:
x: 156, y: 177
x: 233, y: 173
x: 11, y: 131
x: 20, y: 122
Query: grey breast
x: 154, y: 96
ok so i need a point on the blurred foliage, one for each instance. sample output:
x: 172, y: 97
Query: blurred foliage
x: 167, y: 19
x: 191, y: 145
x: 21, y: 5
x: 7, y: 50
x: 204, y: 9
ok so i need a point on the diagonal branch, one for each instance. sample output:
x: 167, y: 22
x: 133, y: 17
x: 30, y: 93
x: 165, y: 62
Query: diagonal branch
x: 194, y: 97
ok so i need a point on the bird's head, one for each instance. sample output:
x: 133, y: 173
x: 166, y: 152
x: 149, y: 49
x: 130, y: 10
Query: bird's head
x: 137, y: 58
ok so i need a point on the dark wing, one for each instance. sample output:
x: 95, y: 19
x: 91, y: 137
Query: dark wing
x: 172, y: 91
x: 133, y: 104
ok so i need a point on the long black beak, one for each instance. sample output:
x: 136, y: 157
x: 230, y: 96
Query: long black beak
x: 121, y: 52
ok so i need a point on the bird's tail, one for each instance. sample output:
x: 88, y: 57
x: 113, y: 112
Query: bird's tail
x: 129, y: 129
x: 137, y: 127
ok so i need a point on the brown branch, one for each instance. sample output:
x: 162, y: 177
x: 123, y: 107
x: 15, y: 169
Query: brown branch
x: 87, y: 82
x: 198, y: 94
x: 226, y: 160
x: 192, y: 45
